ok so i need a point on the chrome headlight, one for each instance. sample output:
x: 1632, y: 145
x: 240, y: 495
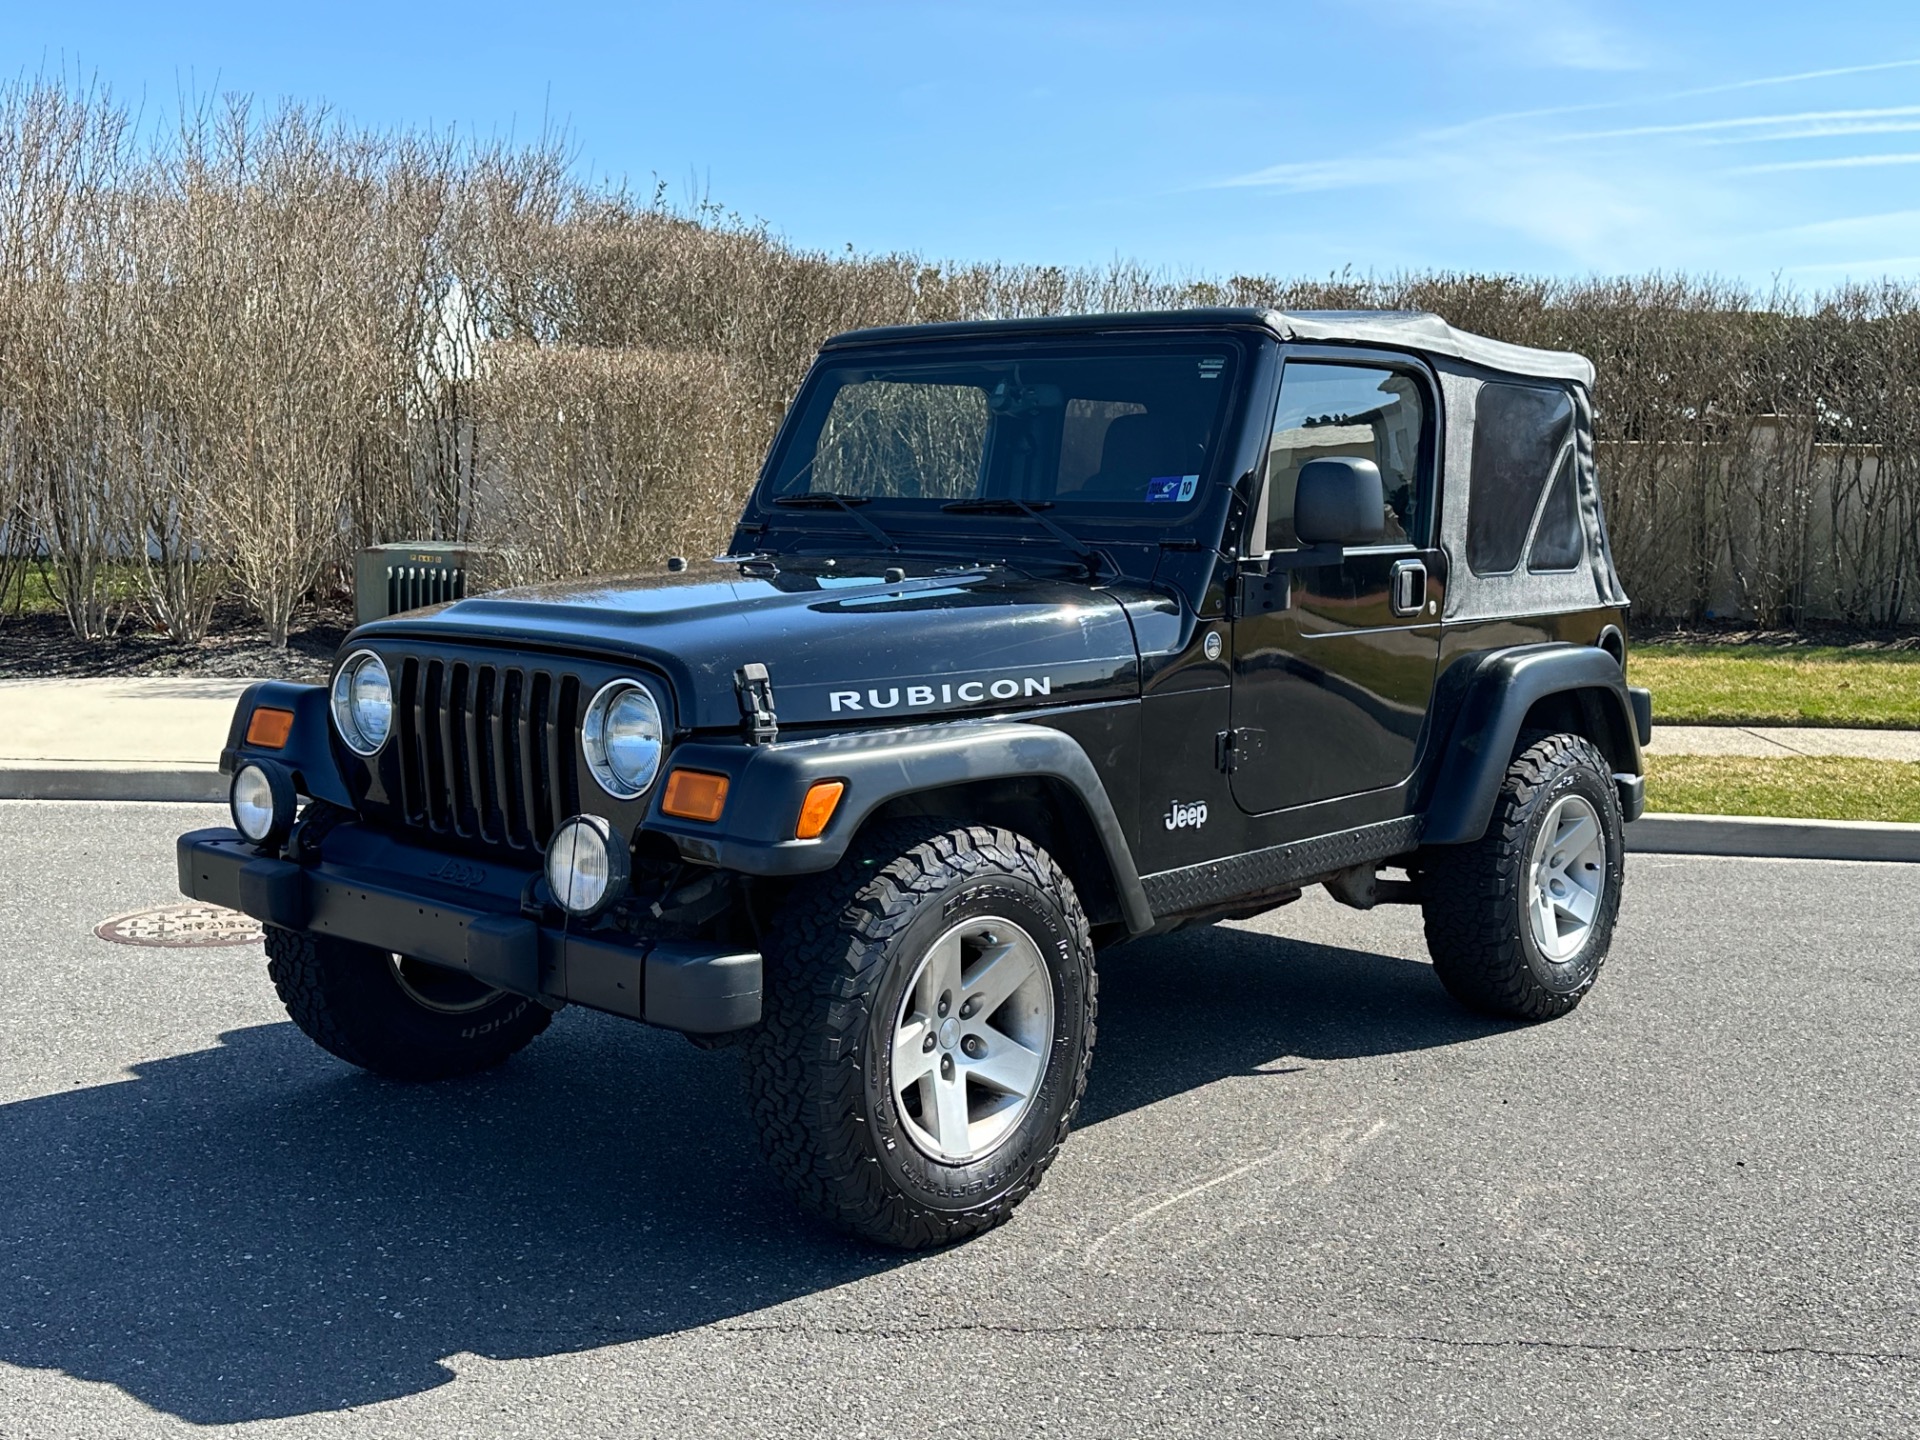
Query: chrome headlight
x: 363, y: 702
x: 622, y: 738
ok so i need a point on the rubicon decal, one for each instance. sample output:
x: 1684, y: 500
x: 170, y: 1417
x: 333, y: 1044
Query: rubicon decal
x: 1186, y: 815
x: 947, y: 692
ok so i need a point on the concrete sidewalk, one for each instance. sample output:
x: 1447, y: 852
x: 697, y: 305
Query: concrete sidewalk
x: 122, y: 739
x: 1780, y: 743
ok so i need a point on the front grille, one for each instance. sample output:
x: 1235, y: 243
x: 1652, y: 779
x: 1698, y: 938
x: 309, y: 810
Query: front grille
x: 486, y: 751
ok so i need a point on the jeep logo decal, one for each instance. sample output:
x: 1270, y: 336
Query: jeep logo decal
x: 925, y: 697
x: 457, y: 872
x: 1186, y: 815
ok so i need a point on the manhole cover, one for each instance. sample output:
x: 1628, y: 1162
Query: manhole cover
x: 181, y: 925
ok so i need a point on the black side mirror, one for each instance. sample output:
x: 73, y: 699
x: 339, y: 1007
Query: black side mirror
x: 1339, y: 501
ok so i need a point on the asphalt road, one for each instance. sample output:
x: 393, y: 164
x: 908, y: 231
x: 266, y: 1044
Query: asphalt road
x: 1307, y: 1197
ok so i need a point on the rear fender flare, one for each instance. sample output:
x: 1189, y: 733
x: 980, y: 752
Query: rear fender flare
x: 1506, y: 685
x: 767, y: 783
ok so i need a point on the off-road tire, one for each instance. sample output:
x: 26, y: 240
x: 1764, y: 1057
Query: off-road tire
x: 1474, y: 896
x: 838, y: 957
x: 349, y: 1000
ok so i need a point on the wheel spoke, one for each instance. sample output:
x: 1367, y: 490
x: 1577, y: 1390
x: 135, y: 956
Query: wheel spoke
x: 1576, y: 903
x: 950, y: 1113
x: 911, y: 1058
x: 1546, y: 924
x: 1008, y: 1066
x: 1000, y: 971
x: 941, y: 976
x: 1574, y: 839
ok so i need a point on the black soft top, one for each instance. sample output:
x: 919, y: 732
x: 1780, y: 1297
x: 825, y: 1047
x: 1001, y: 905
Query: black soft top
x: 1414, y: 330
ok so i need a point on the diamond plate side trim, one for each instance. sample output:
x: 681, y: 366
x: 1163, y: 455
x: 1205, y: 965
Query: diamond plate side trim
x: 1256, y: 872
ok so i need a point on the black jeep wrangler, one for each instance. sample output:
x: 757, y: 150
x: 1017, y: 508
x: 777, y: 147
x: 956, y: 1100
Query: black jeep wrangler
x: 1036, y: 636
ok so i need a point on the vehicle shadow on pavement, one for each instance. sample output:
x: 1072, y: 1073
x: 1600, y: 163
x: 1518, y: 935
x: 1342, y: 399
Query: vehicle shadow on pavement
x: 255, y: 1231
x: 1186, y: 1009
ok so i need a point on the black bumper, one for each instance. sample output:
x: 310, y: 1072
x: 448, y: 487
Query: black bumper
x: 373, y: 889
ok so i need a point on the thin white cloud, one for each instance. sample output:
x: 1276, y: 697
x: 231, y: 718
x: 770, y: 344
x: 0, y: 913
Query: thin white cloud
x: 1794, y: 79
x: 1559, y: 34
x: 1823, y: 131
x: 1854, y: 227
x: 1875, y: 267
x: 1830, y: 162
x: 1748, y: 121
x: 1645, y: 101
x: 1349, y: 172
x: 1627, y: 196
x: 1739, y: 122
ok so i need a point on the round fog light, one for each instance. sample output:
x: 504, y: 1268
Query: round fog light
x: 262, y: 801
x: 586, y: 865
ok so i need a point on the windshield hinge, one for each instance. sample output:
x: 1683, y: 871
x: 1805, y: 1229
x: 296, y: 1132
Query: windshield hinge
x: 758, y: 722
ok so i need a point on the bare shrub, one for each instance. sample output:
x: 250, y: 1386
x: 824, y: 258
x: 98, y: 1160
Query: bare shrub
x: 598, y: 461
x: 62, y: 157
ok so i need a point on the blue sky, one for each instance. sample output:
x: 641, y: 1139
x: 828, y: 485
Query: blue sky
x: 1749, y: 140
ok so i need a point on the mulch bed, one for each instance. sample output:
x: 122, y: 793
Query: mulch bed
x: 1816, y: 632
x: 37, y: 647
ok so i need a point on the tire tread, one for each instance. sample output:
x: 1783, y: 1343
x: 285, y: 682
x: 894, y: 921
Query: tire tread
x: 804, y: 1074
x: 1470, y: 893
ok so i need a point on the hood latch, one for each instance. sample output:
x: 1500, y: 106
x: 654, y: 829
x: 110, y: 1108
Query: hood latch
x: 758, y: 722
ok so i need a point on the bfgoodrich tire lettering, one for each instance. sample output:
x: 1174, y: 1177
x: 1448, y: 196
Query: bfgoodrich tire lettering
x: 840, y: 959
x: 1479, y: 899
x: 357, y: 1003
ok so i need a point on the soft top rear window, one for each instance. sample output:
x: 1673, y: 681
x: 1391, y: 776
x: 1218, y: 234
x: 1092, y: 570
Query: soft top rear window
x: 1075, y: 425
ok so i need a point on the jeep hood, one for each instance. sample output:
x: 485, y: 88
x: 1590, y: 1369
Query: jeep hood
x: 841, y: 645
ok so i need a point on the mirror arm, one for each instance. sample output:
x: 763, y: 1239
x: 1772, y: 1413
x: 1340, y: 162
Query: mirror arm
x: 1264, y: 583
x: 1307, y: 557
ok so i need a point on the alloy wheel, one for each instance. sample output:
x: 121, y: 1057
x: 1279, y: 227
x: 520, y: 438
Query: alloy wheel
x: 970, y: 1039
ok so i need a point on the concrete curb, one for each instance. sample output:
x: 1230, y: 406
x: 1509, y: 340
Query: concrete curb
x: 1762, y: 837
x: 1757, y: 837
x: 110, y: 780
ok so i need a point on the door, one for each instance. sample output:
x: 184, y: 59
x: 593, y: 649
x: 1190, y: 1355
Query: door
x: 1334, y: 658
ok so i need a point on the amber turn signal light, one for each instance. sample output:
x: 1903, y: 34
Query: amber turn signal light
x: 269, y: 728
x: 695, y: 795
x: 823, y: 797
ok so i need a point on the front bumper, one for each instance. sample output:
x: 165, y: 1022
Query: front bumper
x: 373, y: 889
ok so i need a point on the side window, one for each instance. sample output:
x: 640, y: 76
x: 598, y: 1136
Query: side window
x: 1522, y: 445
x: 1557, y: 541
x: 1362, y: 411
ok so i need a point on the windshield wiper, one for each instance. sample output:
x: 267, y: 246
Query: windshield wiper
x: 1008, y: 505
x: 824, y: 499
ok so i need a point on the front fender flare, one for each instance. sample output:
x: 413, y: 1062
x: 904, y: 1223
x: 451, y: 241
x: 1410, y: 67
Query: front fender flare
x: 308, y: 752
x: 766, y: 784
x: 1486, y: 727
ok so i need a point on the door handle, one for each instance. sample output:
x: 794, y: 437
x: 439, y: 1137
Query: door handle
x: 1408, y: 594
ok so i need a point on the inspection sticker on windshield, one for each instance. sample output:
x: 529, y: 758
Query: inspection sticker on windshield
x: 1171, y: 488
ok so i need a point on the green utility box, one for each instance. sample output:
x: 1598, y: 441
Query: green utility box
x: 388, y: 579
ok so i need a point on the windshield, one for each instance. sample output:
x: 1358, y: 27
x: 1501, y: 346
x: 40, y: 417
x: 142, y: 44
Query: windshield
x: 1083, y: 427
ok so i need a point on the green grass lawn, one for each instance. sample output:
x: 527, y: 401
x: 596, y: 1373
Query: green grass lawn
x: 30, y: 594
x: 1807, y: 788
x: 1754, y: 685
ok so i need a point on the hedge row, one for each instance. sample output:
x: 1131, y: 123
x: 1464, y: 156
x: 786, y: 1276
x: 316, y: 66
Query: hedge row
x: 233, y: 353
